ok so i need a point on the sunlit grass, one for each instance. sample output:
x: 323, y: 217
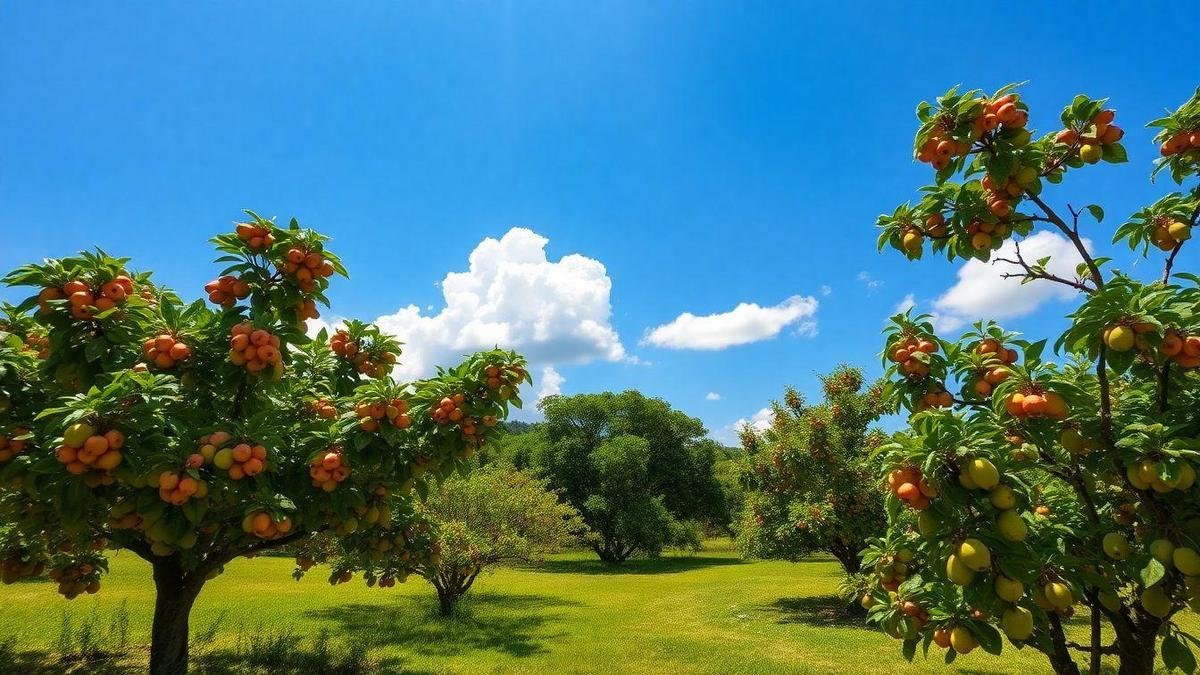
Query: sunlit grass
x: 706, y: 613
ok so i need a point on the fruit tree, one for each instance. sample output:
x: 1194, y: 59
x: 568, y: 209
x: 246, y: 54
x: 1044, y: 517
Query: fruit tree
x: 808, y: 484
x: 1026, y: 487
x: 493, y: 516
x: 191, y: 435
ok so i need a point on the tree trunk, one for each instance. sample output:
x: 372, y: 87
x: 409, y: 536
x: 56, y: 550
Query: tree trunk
x: 448, y: 595
x: 849, y: 559
x: 1137, y: 644
x: 1058, y: 653
x: 174, y: 595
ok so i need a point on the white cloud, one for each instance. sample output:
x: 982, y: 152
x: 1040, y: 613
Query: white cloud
x: 551, y: 383
x: 981, y: 291
x: 759, y: 421
x: 746, y: 323
x: 712, y: 396
x: 514, y: 297
x: 869, y: 281
x: 826, y: 289
x: 906, y: 304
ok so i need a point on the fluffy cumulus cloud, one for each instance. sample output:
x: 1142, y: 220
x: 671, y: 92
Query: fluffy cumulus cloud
x: 712, y: 396
x: 514, y: 297
x: 981, y: 291
x: 746, y: 323
x: 550, y: 383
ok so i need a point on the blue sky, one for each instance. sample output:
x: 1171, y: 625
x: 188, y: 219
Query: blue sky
x: 696, y: 156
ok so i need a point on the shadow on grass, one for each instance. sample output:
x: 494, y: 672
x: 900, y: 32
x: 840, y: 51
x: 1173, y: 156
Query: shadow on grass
x: 42, y: 662
x: 508, y: 623
x: 822, y: 611
x: 672, y: 565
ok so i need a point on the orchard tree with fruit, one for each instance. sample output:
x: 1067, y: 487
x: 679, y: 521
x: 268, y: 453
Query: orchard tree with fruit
x: 808, y: 484
x: 1026, y: 487
x: 192, y: 435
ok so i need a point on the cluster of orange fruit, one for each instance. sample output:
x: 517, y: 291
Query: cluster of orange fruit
x: 939, y: 398
x: 1091, y: 146
x: 254, y: 349
x: 76, y: 579
x: 12, y: 444
x: 323, y: 408
x: 892, y: 570
x: 910, y: 487
x: 904, y: 353
x: 498, y: 376
x: 13, y: 568
x: 450, y: 410
x: 306, y: 267
x: 1180, y: 142
x: 85, y: 301
x: 942, y: 148
x: 371, y: 414
x: 1183, y: 349
x: 1036, y: 402
x: 226, y: 291
x: 258, y: 238
x: 344, y: 346
x: 328, y: 469
x: 263, y: 526
x: 1169, y: 232
x: 177, y: 487
x: 307, y: 309
x: 165, y: 351
x: 38, y: 343
x: 84, y: 448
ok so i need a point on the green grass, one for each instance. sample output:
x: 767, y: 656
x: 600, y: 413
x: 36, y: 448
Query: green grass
x: 705, y: 613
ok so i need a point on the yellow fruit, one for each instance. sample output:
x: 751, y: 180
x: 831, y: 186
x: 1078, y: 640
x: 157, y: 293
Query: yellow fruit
x: 1058, y: 595
x: 1180, y: 231
x: 912, y: 242
x: 958, y: 572
x: 1072, y: 441
x: 1003, y: 497
x: 1012, y: 526
x: 1187, y: 477
x: 1119, y: 338
x: 208, y: 451
x: 966, y: 481
x: 1017, y: 623
x: 867, y: 602
x: 1148, y: 471
x: 1187, y: 561
x: 1116, y: 546
x: 1009, y: 590
x: 1162, y: 550
x: 983, y: 473
x: 1090, y: 153
x: 1134, y: 473
x: 962, y: 640
x: 223, y: 459
x: 975, y: 554
x: 1155, y: 601
x: 77, y: 434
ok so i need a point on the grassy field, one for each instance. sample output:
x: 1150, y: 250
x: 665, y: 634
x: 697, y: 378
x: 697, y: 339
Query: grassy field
x: 705, y: 613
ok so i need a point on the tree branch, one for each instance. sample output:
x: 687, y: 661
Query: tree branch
x: 1072, y: 233
x: 1032, y: 273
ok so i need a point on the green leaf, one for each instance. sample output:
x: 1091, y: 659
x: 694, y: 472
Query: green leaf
x: 1096, y: 211
x: 1176, y: 655
x: 1152, y: 573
